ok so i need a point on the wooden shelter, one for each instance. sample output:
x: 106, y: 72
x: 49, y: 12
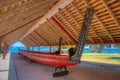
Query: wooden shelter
x: 43, y: 22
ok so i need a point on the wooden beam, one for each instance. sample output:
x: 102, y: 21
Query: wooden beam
x: 100, y: 22
x: 20, y: 7
x: 53, y: 30
x: 51, y: 12
x: 104, y: 27
x: 59, y: 25
x: 70, y: 14
x: 25, y: 43
x: 28, y: 42
x: 111, y: 13
x: 51, y: 33
x: 20, y: 27
x: 41, y: 37
x: 91, y: 26
x: 91, y: 39
x: 59, y: 31
x: 69, y: 24
x: 106, y: 42
x: 34, y: 39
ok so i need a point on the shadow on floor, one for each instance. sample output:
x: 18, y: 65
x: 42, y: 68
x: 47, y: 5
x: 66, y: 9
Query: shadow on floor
x: 12, y: 75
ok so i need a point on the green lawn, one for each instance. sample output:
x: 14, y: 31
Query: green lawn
x: 104, y: 58
x: 0, y: 54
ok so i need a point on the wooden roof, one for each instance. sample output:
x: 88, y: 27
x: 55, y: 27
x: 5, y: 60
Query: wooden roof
x: 34, y: 23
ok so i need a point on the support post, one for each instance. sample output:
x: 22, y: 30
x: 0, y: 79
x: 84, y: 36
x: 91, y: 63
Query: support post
x: 60, y: 43
x: 32, y: 48
x: 50, y: 49
x: 5, y: 50
x: 59, y: 49
x: 83, y: 34
x: 39, y: 48
x: 28, y: 49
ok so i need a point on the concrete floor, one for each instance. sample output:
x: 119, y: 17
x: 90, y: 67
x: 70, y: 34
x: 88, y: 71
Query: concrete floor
x: 84, y: 71
x: 4, y: 68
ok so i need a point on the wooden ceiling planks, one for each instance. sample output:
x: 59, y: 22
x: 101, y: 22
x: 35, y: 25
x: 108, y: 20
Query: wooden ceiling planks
x: 41, y: 38
x: 16, y: 35
x: 25, y: 43
x: 103, y: 27
x: 31, y: 41
x: 25, y: 16
x: 58, y: 4
x: 66, y: 23
x: 20, y: 14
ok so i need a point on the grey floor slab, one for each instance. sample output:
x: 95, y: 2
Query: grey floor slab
x: 83, y: 71
x: 4, y: 68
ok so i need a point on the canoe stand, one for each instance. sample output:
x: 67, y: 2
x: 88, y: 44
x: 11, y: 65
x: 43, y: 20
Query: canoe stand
x: 60, y: 71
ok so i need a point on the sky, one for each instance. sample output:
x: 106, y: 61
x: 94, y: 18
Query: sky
x: 18, y: 44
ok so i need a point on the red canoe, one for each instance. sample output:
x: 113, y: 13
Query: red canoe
x: 42, y: 55
x: 49, y: 61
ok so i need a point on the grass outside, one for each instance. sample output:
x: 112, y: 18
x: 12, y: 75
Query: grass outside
x: 0, y: 54
x: 103, y: 58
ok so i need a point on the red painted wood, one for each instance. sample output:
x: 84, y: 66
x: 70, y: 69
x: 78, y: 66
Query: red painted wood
x: 20, y: 27
x: 64, y: 29
x: 46, y: 55
x: 105, y: 42
x: 53, y: 62
x: 50, y: 49
x: 42, y: 37
x: 5, y: 50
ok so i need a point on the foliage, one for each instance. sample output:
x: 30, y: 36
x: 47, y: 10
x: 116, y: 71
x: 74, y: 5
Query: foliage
x: 97, y: 47
x: 92, y: 48
x: 117, y: 45
x: 1, y: 48
x: 100, y: 47
x: 0, y: 54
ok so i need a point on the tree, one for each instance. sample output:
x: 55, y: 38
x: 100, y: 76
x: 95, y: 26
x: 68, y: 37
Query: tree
x: 118, y: 46
x: 1, y: 48
x: 92, y: 48
x: 99, y: 48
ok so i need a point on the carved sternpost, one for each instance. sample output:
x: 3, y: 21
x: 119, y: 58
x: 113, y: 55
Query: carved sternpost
x: 83, y: 34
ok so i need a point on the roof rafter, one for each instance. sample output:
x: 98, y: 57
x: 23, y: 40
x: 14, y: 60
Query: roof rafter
x: 111, y: 13
x: 25, y: 43
x: 68, y: 22
x: 91, y: 26
x: 41, y: 37
x: 32, y: 40
x: 47, y: 28
x: 100, y: 22
x: 35, y: 38
x: 60, y: 33
x: 76, y: 22
x: 59, y: 25
x: 19, y: 27
x: 51, y: 12
x: 28, y: 41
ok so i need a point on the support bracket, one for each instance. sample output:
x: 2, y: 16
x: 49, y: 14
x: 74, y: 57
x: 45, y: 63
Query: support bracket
x: 60, y: 71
